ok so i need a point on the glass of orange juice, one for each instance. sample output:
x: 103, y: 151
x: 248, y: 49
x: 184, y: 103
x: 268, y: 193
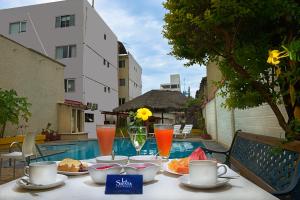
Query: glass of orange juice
x: 106, y: 136
x: 164, y: 136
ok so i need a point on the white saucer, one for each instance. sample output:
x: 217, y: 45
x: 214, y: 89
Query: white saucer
x: 185, y: 180
x: 23, y: 182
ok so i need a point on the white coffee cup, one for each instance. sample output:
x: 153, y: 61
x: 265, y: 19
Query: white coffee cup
x: 41, y: 173
x: 205, y: 172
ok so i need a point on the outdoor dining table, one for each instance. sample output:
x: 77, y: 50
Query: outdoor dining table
x: 165, y: 186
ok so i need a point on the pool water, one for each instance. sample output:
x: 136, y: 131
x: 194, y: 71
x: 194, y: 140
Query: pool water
x: 89, y: 149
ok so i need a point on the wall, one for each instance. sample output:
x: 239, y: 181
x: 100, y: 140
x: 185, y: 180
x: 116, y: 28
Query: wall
x: 96, y: 75
x: 225, y: 123
x: 33, y: 76
x: 43, y: 17
x: 135, y: 76
x: 222, y: 123
x: 213, y: 74
x: 124, y: 74
x: 259, y: 120
x: 210, y: 118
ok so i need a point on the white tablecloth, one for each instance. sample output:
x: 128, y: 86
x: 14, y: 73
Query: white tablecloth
x: 166, y: 186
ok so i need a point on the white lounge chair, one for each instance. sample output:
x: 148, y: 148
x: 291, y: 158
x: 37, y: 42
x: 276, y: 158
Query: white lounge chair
x: 27, y: 150
x: 187, y: 129
x: 176, y: 130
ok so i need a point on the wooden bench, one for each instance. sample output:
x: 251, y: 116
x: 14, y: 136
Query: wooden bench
x: 258, y: 158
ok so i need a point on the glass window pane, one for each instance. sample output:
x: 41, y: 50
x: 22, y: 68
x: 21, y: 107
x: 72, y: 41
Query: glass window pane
x: 57, y: 22
x: 122, y: 82
x: 66, y: 82
x: 67, y: 23
x: 63, y: 24
x: 14, y: 28
x: 65, y: 51
x: 72, y: 51
x: 23, y: 27
x: 59, y: 53
x: 72, y: 20
x: 71, y: 85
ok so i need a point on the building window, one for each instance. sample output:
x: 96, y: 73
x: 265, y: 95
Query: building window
x: 17, y: 27
x: 121, y: 63
x: 104, y: 61
x: 107, y: 89
x: 69, y: 85
x: 107, y: 64
x: 104, y: 36
x: 122, y: 82
x: 67, y: 51
x: 174, y: 86
x: 121, y: 101
x: 166, y: 86
x: 89, y: 117
x: 65, y: 21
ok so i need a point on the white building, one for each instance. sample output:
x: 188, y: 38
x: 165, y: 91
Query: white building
x: 130, y: 76
x: 174, y: 84
x: 73, y: 33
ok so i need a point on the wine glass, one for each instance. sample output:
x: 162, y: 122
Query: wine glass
x: 138, y: 137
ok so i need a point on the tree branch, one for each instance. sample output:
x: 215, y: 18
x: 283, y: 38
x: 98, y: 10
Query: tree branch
x: 262, y: 90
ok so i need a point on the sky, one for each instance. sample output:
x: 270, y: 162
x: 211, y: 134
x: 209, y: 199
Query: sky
x: 139, y: 24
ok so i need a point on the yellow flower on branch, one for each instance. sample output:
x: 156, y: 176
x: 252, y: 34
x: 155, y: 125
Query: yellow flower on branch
x: 275, y: 55
x: 143, y: 113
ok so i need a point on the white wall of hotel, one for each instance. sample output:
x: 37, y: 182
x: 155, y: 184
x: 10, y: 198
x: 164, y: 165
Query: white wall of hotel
x: 87, y: 68
x: 222, y: 123
x: 135, y: 78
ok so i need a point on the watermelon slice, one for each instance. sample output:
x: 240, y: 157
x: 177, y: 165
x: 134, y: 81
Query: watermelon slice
x: 198, y: 154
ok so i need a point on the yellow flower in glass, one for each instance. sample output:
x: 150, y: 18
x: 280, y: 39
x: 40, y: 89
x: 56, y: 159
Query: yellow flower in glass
x: 143, y: 113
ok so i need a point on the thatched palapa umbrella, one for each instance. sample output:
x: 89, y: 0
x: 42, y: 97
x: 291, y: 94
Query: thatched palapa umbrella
x: 157, y: 100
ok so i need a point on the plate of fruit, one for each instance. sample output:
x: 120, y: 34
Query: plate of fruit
x: 181, y: 166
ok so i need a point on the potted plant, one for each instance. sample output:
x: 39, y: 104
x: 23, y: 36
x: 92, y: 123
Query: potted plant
x: 50, y: 135
x: 12, y: 109
x: 204, y: 135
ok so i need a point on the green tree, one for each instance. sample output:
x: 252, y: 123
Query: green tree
x: 12, y: 109
x: 238, y: 35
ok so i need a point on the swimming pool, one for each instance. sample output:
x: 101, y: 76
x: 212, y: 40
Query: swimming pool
x: 89, y: 149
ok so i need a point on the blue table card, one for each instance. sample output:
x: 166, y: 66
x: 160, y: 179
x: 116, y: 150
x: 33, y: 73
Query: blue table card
x: 124, y: 184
